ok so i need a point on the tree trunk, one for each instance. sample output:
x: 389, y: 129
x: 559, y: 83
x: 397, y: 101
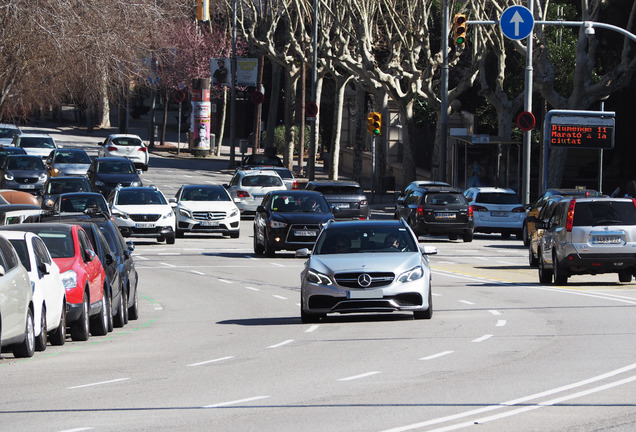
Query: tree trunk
x: 291, y: 82
x: 359, y: 136
x: 165, y: 117
x: 300, y: 119
x: 272, y: 115
x: 408, y: 140
x: 221, y: 112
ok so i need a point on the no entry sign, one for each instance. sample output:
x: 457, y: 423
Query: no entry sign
x: 526, y: 121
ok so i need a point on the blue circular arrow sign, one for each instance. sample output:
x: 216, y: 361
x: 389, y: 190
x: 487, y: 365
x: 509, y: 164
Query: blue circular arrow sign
x: 516, y: 22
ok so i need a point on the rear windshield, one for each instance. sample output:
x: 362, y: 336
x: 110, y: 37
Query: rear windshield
x: 339, y: 190
x: 128, y: 141
x: 59, y: 243
x: 497, y: 198
x: 444, y: 198
x: 604, y: 213
x: 28, y: 142
x: 72, y: 157
x: 262, y: 180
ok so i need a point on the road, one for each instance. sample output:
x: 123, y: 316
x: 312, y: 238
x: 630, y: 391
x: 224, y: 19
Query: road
x: 219, y: 346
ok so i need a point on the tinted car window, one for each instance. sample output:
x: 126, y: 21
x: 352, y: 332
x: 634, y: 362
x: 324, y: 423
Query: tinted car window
x: 339, y: 190
x: 115, y: 167
x: 27, y: 142
x: 262, y: 180
x: 362, y: 240
x: 25, y: 163
x: 604, y: 213
x: 496, y: 198
x: 71, y: 157
x: 213, y: 193
x: 59, y: 244
x: 134, y: 197
x: 11, y: 259
x: 444, y: 198
x: 21, y: 249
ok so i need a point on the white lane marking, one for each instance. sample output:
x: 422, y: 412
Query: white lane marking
x: 221, y: 404
x: 169, y: 253
x: 483, y: 338
x: 167, y: 265
x: 494, y: 312
x: 520, y: 400
x: 158, y: 307
x: 250, y: 257
x: 311, y: 329
x: 279, y: 297
x: 466, y: 302
x: 198, y: 272
x: 211, y: 361
x: 252, y: 288
x: 224, y: 281
x: 444, y: 262
x: 77, y: 429
x: 436, y: 295
x: 97, y: 383
x: 364, y: 375
x: 501, y: 323
x: 143, y: 258
x: 277, y: 265
x: 288, y: 341
x: 482, y: 258
x: 434, y: 356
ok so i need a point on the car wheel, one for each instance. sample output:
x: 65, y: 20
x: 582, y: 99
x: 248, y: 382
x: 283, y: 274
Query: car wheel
x: 258, y: 248
x: 428, y: 313
x: 170, y: 239
x: 453, y: 236
x: 133, y: 311
x: 560, y: 274
x: 532, y: 260
x: 58, y: 336
x: 160, y: 239
x: 119, y: 320
x: 235, y: 234
x: 26, y: 348
x: 99, y: 323
x: 41, y: 341
x: 524, y: 234
x: 79, y: 328
x: 624, y: 276
x: 268, y: 250
x: 468, y: 237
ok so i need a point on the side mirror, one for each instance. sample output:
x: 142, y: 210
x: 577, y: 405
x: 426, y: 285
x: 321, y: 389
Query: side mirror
x: 44, y: 268
x: 335, y: 209
x: 303, y: 253
x: 89, y: 254
x: 139, y: 172
x: 260, y: 209
x: 109, y: 259
x: 428, y: 250
x: 131, y: 246
x: 172, y: 200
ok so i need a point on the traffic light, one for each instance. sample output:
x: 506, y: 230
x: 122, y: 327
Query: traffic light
x: 374, y: 123
x: 459, y: 30
x: 203, y: 10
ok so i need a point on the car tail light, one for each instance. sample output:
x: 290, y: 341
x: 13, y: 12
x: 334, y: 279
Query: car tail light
x: 470, y: 212
x: 634, y: 201
x: 242, y: 194
x: 518, y: 210
x: 570, y: 218
x: 295, y: 185
x: 142, y: 149
x: 111, y: 148
x: 479, y: 208
x: 419, y: 211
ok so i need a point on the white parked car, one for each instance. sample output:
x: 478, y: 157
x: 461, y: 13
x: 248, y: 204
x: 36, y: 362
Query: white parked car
x: 49, y: 296
x: 143, y: 212
x: 128, y: 146
x: 16, y: 304
x: 496, y: 210
x: 7, y: 132
x: 248, y: 187
x: 35, y: 144
x: 206, y: 209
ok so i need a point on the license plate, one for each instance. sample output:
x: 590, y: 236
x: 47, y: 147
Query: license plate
x: 27, y: 186
x: 209, y: 223
x: 499, y: 214
x: 445, y: 215
x: 365, y: 294
x: 302, y: 233
x: 606, y: 239
x: 258, y: 197
x: 341, y: 205
x: 144, y: 225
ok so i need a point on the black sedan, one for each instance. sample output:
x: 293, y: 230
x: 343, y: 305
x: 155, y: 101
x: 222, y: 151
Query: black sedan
x: 105, y: 173
x: 289, y: 220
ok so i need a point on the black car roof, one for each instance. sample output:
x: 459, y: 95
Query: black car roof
x: 333, y: 183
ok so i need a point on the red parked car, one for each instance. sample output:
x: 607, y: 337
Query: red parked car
x: 88, y: 303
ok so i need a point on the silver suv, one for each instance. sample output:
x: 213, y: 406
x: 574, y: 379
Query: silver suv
x: 588, y: 236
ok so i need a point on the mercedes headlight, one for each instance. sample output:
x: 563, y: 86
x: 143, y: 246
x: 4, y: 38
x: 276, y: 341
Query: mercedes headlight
x: 185, y: 213
x: 317, y: 278
x: 69, y: 279
x: 234, y: 212
x: 410, y: 275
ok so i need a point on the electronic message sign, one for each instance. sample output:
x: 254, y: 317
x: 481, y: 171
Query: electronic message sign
x: 583, y: 129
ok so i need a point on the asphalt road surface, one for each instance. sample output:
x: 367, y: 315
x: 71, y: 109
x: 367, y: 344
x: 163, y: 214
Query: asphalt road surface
x: 219, y: 346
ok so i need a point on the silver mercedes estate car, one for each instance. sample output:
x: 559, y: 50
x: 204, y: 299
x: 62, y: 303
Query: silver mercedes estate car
x: 366, y: 266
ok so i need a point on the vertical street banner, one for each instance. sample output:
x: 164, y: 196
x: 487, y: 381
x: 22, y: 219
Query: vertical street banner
x: 246, y: 72
x: 200, y: 119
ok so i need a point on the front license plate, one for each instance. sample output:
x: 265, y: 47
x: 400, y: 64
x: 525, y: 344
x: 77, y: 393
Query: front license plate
x: 365, y: 294
x: 27, y: 186
x: 210, y: 223
x: 499, y: 214
x: 301, y: 233
x: 445, y: 215
x: 144, y: 225
x: 607, y: 239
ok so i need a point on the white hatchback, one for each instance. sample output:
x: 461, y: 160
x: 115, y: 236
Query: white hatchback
x: 49, y: 295
x: 128, y: 146
x: 496, y: 210
x: 248, y: 187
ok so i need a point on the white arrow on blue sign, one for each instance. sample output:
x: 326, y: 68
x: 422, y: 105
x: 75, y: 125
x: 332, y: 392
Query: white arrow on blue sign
x: 516, y: 22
